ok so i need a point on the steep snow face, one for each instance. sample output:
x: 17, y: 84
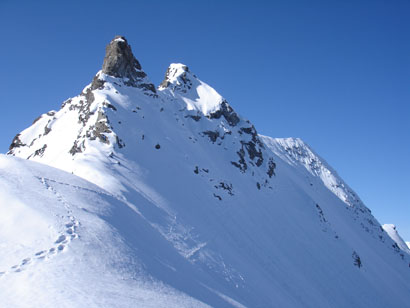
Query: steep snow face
x: 318, y: 176
x: 295, y: 152
x: 233, y: 209
x: 391, y: 230
x: 408, y: 244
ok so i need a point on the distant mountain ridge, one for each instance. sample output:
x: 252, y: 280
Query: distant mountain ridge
x: 224, y: 217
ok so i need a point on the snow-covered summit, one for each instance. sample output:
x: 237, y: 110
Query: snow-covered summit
x: 180, y: 82
x: 176, y: 76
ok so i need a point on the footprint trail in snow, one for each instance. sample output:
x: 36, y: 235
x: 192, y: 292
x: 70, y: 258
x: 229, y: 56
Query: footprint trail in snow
x: 70, y: 233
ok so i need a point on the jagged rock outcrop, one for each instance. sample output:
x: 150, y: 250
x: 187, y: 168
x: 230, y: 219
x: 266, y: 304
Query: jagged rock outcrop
x: 120, y: 62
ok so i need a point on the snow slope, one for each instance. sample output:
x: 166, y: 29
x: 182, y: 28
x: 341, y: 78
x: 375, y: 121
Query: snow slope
x: 210, y: 210
x: 68, y: 243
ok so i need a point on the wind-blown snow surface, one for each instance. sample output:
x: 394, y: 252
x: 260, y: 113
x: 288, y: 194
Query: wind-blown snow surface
x: 193, y: 198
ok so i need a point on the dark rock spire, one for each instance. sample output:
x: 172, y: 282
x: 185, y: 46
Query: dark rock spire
x: 120, y: 62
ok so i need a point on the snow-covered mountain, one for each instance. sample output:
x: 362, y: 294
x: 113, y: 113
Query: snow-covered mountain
x: 185, y: 205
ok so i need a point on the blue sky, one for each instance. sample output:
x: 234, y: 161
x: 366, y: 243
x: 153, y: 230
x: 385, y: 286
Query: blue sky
x: 334, y: 73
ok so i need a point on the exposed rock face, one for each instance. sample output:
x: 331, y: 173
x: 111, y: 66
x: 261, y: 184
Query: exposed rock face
x: 120, y: 62
x: 227, y: 112
x: 16, y: 143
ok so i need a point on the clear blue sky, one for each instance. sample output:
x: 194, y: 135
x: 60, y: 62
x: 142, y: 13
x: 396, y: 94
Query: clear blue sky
x: 335, y: 73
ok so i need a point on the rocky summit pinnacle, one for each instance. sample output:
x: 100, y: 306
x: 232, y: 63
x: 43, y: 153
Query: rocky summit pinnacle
x: 120, y: 62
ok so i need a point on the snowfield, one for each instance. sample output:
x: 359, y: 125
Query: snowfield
x: 63, y: 244
x: 132, y: 196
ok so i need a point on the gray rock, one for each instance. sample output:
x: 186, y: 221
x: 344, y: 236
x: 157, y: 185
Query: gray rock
x: 37, y: 119
x: 165, y: 83
x: 120, y: 62
x: 241, y: 164
x: 97, y: 84
x: 46, y: 130
x: 213, y: 135
x: 40, y: 152
x: 227, y: 112
x: 16, y: 143
x: 196, y: 118
x: 271, y: 168
x: 75, y: 148
x: 120, y: 143
x: 253, y: 152
x: 101, y: 127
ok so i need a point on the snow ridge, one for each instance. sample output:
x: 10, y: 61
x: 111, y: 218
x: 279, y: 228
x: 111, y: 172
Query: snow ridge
x: 295, y: 151
x: 395, y: 236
